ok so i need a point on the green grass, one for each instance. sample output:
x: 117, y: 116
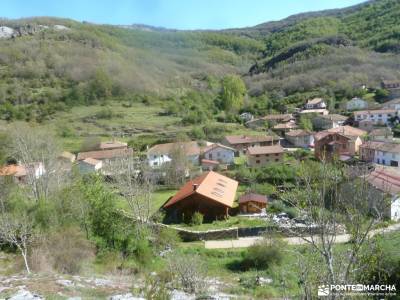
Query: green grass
x: 235, y: 221
x: 160, y: 197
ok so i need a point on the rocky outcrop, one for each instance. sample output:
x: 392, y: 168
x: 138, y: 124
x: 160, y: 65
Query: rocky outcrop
x: 6, y: 32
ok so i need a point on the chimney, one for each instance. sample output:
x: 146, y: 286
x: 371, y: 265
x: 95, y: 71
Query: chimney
x: 195, y: 185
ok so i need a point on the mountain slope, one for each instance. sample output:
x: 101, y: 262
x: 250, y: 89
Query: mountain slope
x: 336, y: 49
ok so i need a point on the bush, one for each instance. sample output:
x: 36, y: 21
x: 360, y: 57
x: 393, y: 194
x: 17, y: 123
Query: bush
x: 64, y: 251
x: 197, y: 219
x: 166, y: 238
x: 263, y: 254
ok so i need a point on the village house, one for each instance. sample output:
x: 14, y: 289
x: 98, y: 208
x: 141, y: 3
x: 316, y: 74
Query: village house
x: 106, y: 155
x: 392, y: 104
x: 331, y: 145
x: 246, y: 116
x: 264, y: 155
x: 220, y: 153
x: 210, y: 194
x: 210, y: 165
x: 269, y: 120
x: 300, y: 138
x: 376, y: 117
x: 379, y: 152
x: 90, y: 165
x: 356, y: 103
x: 317, y: 111
x: 381, y: 134
x: 243, y: 142
x: 316, y: 103
x: 164, y: 153
x: 251, y: 203
x: 342, y: 142
x: 282, y: 128
x: 393, y: 86
x: 323, y: 122
x: 20, y: 172
x: 388, y: 182
x: 368, y: 149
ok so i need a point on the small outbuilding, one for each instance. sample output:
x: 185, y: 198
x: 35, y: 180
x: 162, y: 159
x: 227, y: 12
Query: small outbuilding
x: 251, y: 203
x: 210, y: 194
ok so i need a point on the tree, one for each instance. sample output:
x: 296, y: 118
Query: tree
x: 332, y: 200
x: 305, y: 123
x: 133, y: 180
x: 177, y: 169
x: 233, y: 92
x: 16, y: 226
x: 37, y: 151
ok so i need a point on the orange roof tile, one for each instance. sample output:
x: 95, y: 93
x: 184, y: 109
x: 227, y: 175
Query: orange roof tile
x: 211, y: 185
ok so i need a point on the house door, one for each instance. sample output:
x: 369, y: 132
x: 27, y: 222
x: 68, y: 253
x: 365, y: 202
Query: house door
x: 394, y: 163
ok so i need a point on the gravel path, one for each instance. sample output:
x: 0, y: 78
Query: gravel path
x: 247, y: 242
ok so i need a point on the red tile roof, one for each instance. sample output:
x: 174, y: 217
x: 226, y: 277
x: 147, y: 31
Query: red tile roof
x: 385, y: 181
x: 253, y: 197
x: 299, y: 132
x: 244, y: 139
x: 265, y: 150
x: 105, y: 154
x: 211, y: 185
x: 13, y: 170
x: 214, y: 146
x: 210, y: 162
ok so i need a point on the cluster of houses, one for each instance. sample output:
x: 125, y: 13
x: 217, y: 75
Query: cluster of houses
x: 363, y: 134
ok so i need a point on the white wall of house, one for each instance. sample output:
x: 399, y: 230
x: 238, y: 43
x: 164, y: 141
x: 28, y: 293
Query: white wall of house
x: 387, y: 158
x: 156, y: 160
x: 395, y: 210
x: 319, y: 105
x: 220, y: 154
x: 356, y: 103
x: 375, y: 118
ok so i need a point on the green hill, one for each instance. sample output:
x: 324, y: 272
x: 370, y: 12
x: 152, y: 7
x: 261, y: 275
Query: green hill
x: 333, y: 49
x: 47, y: 68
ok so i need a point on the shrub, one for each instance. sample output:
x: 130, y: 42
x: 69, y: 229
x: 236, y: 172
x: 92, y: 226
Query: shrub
x: 189, y: 271
x: 165, y: 238
x: 263, y: 254
x: 197, y: 219
x: 66, y: 250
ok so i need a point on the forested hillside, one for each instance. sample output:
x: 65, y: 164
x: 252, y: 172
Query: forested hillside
x: 47, y: 68
x: 337, y: 49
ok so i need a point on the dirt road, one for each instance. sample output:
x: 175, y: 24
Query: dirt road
x: 247, y: 242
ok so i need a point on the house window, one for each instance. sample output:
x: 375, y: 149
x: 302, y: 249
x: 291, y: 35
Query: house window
x: 378, y: 161
x: 267, y: 155
x: 276, y: 159
x: 257, y: 155
x: 276, y: 154
x: 393, y: 155
x: 383, y: 162
x: 257, y: 161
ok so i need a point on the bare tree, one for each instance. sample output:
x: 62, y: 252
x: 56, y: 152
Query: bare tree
x: 178, y: 168
x: 189, y: 271
x: 37, y: 151
x: 331, y: 202
x: 17, y: 231
x: 133, y: 180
